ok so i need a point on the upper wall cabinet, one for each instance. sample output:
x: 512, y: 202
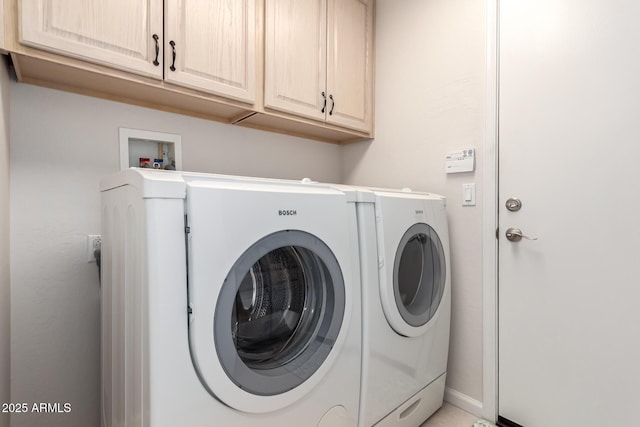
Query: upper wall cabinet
x: 318, y: 60
x: 296, y: 57
x: 350, y: 63
x: 299, y: 67
x: 208, y: 45
x: 125, y: 34
x: 211, y: 46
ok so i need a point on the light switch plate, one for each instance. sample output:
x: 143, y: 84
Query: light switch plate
x: 469, y: 194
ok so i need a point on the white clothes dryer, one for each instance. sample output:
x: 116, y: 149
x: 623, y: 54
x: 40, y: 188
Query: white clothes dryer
x: 404, y: 242
x: 228, y: 301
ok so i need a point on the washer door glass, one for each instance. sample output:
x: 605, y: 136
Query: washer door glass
x: 279, y: 313
x: 419, y: 274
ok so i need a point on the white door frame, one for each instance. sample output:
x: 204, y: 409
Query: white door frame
x: 490, y: 221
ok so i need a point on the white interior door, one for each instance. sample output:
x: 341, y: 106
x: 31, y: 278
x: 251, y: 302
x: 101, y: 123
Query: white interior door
x: 569, y: 302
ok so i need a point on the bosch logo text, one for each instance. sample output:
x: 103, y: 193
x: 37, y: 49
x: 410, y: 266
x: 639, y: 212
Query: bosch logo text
x: 287, y: 212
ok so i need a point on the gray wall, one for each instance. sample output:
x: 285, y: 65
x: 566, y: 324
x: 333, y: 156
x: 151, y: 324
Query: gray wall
x: 430, y: 74
x: 4, y: 242
x: 61, y: 146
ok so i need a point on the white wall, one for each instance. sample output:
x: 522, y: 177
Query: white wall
x: 430, y: 62
x: 4, y: 242
x: 61, y: 146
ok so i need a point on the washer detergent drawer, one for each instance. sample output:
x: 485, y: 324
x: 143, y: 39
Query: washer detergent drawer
x: 417, y: 409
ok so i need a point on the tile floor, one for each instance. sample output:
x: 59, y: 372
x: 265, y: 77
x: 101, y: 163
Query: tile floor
x: 450, y: 416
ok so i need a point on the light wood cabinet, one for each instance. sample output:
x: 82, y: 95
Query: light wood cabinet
x: 350, y: 63
x: 211, y: 45
x: 319, y: 60
x: 123, y: 50
x: 125, y: 34
x: 208, y: 45
x: 296, y: 56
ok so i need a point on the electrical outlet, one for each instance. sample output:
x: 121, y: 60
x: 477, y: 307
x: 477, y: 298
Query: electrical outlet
x: 94, y: 241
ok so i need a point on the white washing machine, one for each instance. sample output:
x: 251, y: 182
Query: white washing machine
x: 404, y: 243
x: 228, y: 301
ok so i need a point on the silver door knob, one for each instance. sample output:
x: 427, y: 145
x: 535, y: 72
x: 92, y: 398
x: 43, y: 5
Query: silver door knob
x: 513, y: 204
x: 515, y: 235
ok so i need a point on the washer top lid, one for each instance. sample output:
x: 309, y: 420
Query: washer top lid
x: 290, y: 187
x: 153, y: 183
x: 150, y: 182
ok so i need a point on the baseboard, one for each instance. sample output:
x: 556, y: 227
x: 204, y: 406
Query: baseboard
x: 463, y: 402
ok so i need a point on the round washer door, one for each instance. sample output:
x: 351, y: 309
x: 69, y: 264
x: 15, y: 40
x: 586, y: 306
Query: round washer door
x: 277, y: 318
x: 419, y: 277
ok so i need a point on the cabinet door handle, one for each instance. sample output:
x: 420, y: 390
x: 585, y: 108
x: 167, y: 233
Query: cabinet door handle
x: 333, y: 105
x: 155, y: 61
x: 173, y: 52
x: 324, y: 105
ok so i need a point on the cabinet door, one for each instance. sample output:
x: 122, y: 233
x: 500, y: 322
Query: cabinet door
x: 116, y: 33
x: 295, y: 56
x: 350, y: 63
x: 215, y: 46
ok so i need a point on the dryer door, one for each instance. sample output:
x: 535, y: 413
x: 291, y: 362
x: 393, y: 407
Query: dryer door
x: 419, y: 275
x: 277, y: 318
